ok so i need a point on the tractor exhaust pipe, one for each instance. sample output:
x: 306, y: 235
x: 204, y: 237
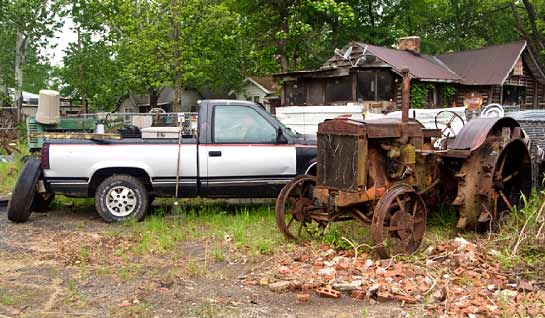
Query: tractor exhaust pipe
x: 406, y: 95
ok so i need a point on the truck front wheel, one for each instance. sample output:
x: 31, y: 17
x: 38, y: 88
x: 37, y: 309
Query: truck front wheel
x: 120, y: 198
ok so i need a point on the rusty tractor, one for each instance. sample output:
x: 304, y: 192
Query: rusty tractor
x: 386, y: 174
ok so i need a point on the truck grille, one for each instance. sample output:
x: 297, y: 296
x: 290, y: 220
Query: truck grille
x: 338, y: 161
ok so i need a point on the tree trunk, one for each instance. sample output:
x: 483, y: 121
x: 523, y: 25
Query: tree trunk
x: 283, y: 43
x: 20, y: 51
x: 153, y: 98
x: 84, y: 103
x: 178, y: 71
x: 283, y: 48
x: 3, y: 88
x: 178, y: 91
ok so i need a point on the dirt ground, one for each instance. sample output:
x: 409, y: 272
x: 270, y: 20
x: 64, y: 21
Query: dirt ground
x: 71, y: 264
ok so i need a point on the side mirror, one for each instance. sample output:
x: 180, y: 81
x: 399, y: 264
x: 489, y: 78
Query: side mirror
x: 280, y: 138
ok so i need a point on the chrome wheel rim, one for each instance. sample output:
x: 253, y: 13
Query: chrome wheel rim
x: 121, y: 201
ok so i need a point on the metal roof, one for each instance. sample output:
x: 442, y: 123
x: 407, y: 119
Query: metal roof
x: 421, y: 66
x: 486, y: 66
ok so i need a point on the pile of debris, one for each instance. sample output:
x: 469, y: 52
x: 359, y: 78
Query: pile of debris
x: 456, y: 278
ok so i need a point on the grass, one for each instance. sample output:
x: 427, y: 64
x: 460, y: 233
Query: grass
x: 520, y: 238
x: 10, y: 170
x: 248, y: 227
x: 6, y: 300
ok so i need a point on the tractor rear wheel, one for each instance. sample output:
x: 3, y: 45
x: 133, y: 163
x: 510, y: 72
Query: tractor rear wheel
x: 493, y: 182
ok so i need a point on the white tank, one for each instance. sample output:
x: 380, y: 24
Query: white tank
x: 48, y: 107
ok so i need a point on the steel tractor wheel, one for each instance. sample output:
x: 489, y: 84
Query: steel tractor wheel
x: 399, y: 222
x: 295, y: 207
x: 492, y: 182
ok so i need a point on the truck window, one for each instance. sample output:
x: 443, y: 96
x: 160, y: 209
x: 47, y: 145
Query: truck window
x: 240, y: 124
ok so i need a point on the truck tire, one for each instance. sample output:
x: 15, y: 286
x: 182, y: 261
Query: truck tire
x: 120, y: 198
x: 20, y: 204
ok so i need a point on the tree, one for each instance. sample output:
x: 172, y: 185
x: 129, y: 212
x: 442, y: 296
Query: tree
x: 90, y: 71
x: 530, y: 25
x: 185, y: 43
x: 37, y: 72
x: 296, y: 33
x: 33, y: 21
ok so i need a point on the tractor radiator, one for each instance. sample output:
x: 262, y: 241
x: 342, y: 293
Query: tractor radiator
x: 342, y: 161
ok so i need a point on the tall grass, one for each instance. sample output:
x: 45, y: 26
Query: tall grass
x: 9, y: 171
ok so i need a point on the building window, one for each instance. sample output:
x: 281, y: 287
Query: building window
x: 375, y: 86
x: 295, y: 94
x: 338, y: 89
x: 254, y: 98
x: 514, y: 95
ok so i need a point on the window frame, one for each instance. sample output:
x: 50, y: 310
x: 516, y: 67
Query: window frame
x: 213, y: 130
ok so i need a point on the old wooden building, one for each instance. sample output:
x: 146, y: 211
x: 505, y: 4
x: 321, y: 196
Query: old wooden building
x: 362, y: 73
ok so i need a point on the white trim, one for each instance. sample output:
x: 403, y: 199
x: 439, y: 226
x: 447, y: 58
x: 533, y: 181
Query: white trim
x: 514, y: 63
x: 257, y: 84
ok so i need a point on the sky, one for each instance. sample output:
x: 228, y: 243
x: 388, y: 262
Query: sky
x: 62, y: 38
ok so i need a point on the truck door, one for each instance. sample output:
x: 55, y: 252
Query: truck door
x: 243, y: 158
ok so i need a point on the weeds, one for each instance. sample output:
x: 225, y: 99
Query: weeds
x: 6, y: 300
x: 9, y: 171
x: 520, y: 237
x: 208, y: 310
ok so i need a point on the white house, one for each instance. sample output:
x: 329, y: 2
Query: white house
x: 260, y: 90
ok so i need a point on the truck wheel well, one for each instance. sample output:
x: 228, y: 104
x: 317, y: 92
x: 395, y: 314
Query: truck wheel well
x: 102, y: 174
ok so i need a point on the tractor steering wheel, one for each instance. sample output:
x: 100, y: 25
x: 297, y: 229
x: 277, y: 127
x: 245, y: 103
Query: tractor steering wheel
x: 446, y: 120
x: 108, y: 121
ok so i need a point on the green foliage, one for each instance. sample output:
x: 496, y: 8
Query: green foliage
x: 449, y: 92
x: 419, y: 94
x: 211, y: 45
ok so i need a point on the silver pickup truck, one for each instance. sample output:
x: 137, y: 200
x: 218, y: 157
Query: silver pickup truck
x: 239, y: 150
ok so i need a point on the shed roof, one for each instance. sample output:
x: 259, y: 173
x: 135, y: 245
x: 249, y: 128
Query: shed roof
x: 485, y: 66
x: 421, y: 66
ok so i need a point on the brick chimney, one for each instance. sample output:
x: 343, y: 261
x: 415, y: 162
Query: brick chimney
x: 410, y: 43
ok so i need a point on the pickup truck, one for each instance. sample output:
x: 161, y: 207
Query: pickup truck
x: 238, y: 150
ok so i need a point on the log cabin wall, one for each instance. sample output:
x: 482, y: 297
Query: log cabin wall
x: 527, y: 81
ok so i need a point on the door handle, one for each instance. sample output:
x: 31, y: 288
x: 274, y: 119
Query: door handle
x: 214, y: 153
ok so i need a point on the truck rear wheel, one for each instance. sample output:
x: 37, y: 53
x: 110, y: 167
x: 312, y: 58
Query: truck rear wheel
x: 120, y: 198
x: 20, y: 204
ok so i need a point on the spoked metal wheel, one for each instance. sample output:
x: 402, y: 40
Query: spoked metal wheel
x: 297, y: 213
x: 449, y: 123
x: 511, y: 178
x: 399, y: 222
x: 493, y: 185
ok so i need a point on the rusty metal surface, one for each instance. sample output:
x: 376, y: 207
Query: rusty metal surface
x: 474, y: 133
x: 490, y: 182
x: 399, y: 222
x: 334, y: 149
x: 295, y: 207
x: 376, y: 128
